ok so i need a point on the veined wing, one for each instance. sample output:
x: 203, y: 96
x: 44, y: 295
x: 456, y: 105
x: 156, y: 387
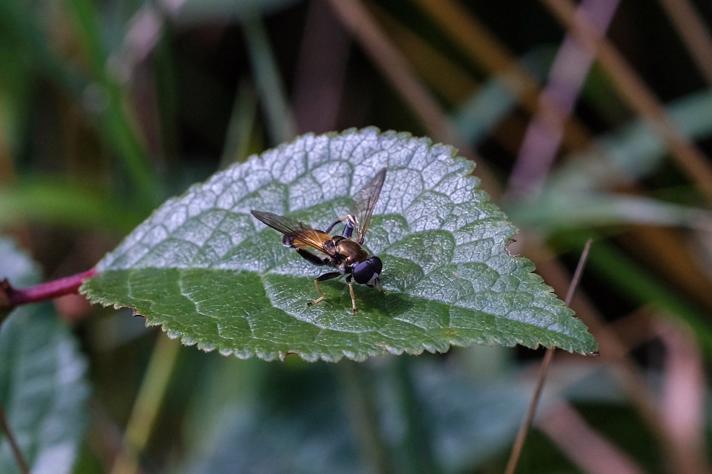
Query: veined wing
x: 296, y: 234
x: 365, y: 202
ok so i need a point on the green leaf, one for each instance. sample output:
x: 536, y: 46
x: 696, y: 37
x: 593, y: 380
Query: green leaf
x: 42, y: 379
x: 469, y: 419
x: 208, y: 272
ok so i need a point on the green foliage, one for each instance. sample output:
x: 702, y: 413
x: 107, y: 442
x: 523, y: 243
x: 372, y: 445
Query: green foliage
x: 65, y: 204
x: 207, y: 272
x: 633, y: 151
x: 490, y: 104
x: 42, y: 380
x: 198, y: 11
x: 307, y: 413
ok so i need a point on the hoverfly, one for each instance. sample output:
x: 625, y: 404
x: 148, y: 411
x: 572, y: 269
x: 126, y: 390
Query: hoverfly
x: 344, y: 252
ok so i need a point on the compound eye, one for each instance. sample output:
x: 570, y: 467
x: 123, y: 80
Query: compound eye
x: 367, y: 271
x: 362, y: 272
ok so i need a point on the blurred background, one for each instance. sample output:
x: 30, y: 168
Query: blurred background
x: 586, y: 120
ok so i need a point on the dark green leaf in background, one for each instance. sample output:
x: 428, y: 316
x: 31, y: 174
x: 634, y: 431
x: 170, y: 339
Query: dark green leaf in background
x: 42, y: 379
x: 300, y: 424
x: 209, y: 273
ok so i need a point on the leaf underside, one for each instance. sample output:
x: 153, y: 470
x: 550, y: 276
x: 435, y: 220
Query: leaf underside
x: 209, y: 273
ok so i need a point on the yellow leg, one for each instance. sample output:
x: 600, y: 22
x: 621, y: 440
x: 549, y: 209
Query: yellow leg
x: 321, y: 295
x: 353, y: 298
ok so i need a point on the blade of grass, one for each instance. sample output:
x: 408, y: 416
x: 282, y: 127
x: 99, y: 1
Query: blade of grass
x: 632, y: 151
x: 691, y: 28
x: 485, y: 50
x: 640, y: 286
x: 241, y: 126
x: 612, y: 349
x: 660, y: 248
x: 166, y: 93
x: 16, y: 19
x: 583, y: 445
x: 267, y: 80
x: 543, y: 370
x: 480, y: 108
x: 636, y: 94
x: 566, y: 79
x: 112, y: 120
x: 566, y: 209
x: 321, y: 69
x: 147, y: 405
x: 683, y: 395
x: 441, y: 72
x: 418, y: 444
x: 115, y: 124
x: 394, y: 66
x: 144, y: 33
x: 65, y: 204
x: 364, y: 416
x: 493, y: 101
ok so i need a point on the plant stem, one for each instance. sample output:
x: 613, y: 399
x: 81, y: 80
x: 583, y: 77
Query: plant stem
x: 19, y: 458
x: 417, y: 442
x: 364, y: 416
x: 11, y: 297
x: 267, y: 80
x: 148, y: 402
x: 544, y: 369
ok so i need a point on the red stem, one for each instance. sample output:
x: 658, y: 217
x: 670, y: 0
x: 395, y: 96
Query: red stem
x: 45, y: 291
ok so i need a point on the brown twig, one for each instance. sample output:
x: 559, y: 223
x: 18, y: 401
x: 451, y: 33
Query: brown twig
x: 11, y: 297
x: 633, y: 91
x: 613, y: 350
x: 14, y: 447
x: 694, y: 33
x: 529, y: 418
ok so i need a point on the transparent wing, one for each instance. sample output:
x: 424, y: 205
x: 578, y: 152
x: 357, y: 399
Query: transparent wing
x: 365, y: 201
x: 285, y: 225
x: 296, y: 234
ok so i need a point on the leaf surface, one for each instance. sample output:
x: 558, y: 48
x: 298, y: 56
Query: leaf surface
x: 208, y: 272
x: 42, y: 379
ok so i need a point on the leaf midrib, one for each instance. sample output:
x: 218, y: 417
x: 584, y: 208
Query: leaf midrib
x: 260, y: 277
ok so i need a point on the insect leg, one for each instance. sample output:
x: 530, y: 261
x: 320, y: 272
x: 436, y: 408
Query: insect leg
x: 312, y: 258
x: 348, y: 229
x: 349, y: 224
x: 325, y: 276
x: 334, y: 224
x: 353, y: 298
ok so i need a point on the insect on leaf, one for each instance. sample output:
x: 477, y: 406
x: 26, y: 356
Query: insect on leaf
x: 208, y: 272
